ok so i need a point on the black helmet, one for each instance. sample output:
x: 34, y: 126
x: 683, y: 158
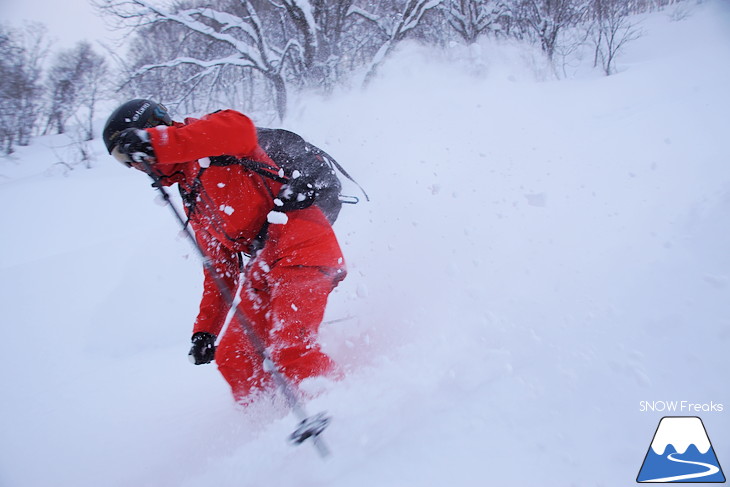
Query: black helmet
x: 138, y: 114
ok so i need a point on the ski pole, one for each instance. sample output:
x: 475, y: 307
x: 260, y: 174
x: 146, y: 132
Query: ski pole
x: 309, y: 426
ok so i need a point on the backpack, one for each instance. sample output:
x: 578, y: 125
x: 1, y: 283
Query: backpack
x: 308, y: 174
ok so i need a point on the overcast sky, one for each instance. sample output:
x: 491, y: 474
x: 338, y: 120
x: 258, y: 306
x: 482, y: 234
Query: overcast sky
x: 68, y: 21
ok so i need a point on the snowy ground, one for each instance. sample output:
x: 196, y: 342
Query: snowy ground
x: 538, y: 258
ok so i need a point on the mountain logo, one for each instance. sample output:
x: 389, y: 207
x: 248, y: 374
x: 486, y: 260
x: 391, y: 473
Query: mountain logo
x: 680, y: 452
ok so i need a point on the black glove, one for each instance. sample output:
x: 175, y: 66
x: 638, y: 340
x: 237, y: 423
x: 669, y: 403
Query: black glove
x: 135, y: 144
x: 295, y: 195
x: 203, y: 349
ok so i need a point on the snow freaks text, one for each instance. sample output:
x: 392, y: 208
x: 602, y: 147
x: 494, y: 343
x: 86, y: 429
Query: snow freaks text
x: 680, y: 407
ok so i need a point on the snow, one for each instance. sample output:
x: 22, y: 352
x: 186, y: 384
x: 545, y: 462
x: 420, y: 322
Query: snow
x: 538, y: 257
x: 277, y: 218
x: 681, y: 432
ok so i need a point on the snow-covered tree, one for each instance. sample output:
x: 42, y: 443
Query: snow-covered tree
x: 232, y: 33
x: 286, y: 43
x: 472, y: 18
x: 543, y: 20
x: 394, y: 28
x: 317, y: 31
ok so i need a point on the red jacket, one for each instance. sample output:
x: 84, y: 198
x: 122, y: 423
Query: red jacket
x: 232, y: 204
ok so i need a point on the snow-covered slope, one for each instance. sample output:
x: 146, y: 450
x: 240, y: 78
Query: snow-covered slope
x: 538, y: 258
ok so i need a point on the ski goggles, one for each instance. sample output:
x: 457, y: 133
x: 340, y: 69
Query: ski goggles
x: 123, y: 158
x: 159, y: 116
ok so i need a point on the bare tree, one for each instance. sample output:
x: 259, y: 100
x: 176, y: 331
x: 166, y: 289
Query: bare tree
x: 96, y: 84
x: 149, y: 45
x: 21, y: 55
x: 472, y: 18
x: 612, y: 30
x: 10, y: 79
x: 75, y: 81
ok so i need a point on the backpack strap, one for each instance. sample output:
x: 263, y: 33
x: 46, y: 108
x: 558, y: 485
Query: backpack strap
x: 266, y: 170
x: 190, y: 196
x: 195, y: 194
x: 331, y: 160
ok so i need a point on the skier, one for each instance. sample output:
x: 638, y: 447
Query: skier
x: 294, y: 263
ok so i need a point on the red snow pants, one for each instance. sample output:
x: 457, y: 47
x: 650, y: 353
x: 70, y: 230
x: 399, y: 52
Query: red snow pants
x: 285, y: 306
